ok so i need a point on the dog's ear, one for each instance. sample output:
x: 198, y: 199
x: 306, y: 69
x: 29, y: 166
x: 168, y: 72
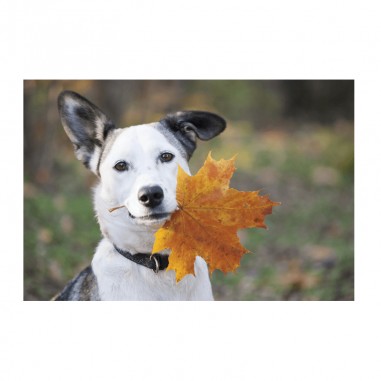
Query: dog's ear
x: 189, y: 125
x: 205, y: 125
x: 86, y: 125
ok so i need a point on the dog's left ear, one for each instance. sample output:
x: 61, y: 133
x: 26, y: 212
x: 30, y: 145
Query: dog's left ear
x: 86, y: 126
x: 189, y: 125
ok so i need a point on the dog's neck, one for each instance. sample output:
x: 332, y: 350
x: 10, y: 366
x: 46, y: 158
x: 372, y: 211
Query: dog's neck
x: 118, y: 229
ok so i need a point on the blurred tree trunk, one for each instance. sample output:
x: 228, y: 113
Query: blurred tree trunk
x: 40, y: 128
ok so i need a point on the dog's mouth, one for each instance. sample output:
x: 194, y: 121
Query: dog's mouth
x: 151, y: 217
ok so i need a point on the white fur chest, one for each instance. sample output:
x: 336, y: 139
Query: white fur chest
x: 120, y: 279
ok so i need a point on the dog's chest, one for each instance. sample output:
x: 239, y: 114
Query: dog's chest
x: 120, y: 279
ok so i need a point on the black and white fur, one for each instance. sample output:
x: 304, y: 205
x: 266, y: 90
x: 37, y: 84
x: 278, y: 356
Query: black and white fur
x: 137, y: 167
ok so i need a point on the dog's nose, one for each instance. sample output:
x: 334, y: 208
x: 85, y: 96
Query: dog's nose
x: 151, y: 196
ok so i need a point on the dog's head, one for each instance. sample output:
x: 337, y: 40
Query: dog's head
x: 137, y: 166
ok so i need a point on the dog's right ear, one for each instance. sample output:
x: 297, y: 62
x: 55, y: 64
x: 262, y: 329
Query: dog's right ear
x: 86, y: 125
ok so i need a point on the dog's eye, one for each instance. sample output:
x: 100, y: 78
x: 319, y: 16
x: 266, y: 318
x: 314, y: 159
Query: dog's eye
x: 166, y: 156
x: 121, y: 166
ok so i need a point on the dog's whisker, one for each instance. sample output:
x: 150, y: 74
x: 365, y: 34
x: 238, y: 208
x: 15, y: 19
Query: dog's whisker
x: 115, y: 208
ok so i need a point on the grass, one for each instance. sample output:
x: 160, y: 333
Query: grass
x: 306, y: 253
x: 60, y: 236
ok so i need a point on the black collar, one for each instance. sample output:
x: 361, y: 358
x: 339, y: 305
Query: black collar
x: 155, y: 262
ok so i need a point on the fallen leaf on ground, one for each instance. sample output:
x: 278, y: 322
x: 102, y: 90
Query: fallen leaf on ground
x: 208, y: 217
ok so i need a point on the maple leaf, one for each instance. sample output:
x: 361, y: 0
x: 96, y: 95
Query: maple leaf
x: 208, y: 217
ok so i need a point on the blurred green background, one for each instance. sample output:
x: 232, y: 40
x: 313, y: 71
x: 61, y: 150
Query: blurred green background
x: 295, y: 142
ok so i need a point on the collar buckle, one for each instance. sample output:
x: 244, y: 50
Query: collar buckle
x: 159, y: 262
x: 156, y: 270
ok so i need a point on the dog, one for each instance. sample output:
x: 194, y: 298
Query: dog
x: 136, y: 193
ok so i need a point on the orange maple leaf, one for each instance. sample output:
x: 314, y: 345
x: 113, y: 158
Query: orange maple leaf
x: 208, y: 217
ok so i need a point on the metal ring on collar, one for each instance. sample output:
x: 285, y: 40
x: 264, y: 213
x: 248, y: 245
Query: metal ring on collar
x: 157, y: 265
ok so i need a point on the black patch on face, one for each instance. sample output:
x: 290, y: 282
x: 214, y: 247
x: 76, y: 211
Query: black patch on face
x: 185, y: 126
x: 184, y: 142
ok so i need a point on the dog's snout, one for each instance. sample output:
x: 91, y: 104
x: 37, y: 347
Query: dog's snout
x: 151, y: 196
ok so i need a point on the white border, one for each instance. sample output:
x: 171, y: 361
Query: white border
x: 195, y: 40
